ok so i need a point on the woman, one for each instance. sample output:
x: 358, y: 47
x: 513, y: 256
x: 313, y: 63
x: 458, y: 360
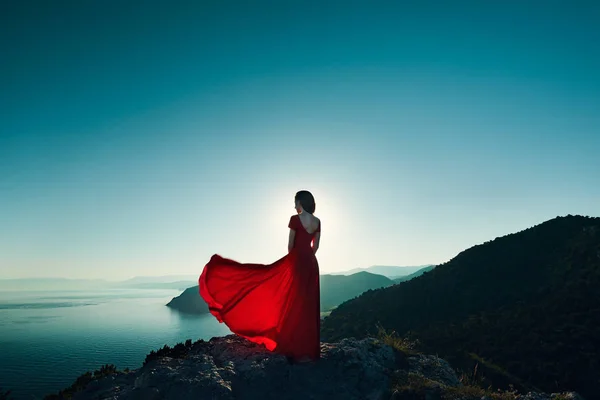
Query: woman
x: 277, y: 304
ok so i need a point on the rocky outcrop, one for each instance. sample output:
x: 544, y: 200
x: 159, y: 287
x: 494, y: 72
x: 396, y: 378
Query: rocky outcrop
x: 189, y: 302
x: 233, y: 368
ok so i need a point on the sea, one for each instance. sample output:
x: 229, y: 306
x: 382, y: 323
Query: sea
x: 49, y: 338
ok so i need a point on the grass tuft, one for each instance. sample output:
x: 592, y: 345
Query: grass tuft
x: 392, y: 339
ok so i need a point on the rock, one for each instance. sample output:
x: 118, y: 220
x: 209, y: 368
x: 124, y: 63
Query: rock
x: 233, y: 368
x: 434, y: 368
x: 148, y: 393
x: 566, y: 396
x: 552, y: 396
x: 189, y: 302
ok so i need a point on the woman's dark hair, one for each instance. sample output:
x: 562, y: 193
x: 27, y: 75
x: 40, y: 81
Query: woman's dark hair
x: 307, y: 201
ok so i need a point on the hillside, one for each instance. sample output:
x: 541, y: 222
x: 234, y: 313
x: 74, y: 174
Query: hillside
x: 398, y: 279
x: 527, y: 303
x: 389, y: 271
x: 335, y: 289
x: 140, y: 282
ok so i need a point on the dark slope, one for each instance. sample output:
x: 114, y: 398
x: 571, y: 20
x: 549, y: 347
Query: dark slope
x: 528, y: 302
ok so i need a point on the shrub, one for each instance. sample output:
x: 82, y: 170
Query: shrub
x: 82, y: 381
x: 391, y: 338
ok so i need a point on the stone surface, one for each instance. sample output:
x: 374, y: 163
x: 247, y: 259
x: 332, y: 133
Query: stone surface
x: 233, y: 368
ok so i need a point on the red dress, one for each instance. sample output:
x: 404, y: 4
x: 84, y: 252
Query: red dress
x: 277, y: 304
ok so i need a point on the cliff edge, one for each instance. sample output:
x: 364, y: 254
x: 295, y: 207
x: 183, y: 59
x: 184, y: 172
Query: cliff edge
x: 230, y: 367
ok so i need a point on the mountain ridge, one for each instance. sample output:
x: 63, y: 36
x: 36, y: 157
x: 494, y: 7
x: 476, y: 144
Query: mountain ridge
x: 501, y: 300
x: 398, y: 279
x: 61, y: 283
x: 389, y: 271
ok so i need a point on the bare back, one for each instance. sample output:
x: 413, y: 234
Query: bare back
x: 309, y: 222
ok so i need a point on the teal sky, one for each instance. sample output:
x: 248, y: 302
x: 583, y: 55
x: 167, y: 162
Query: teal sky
x: 140, y: 138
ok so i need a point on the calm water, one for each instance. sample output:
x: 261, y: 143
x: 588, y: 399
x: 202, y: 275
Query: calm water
x: 47, y: 339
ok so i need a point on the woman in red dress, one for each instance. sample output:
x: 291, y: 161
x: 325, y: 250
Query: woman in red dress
x: 278, y: 304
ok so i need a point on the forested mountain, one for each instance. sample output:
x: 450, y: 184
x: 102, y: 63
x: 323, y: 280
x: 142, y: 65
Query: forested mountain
x: 420, y: 272
x: 526, y: 305
x: 335, y: 289
x: 385, y: 270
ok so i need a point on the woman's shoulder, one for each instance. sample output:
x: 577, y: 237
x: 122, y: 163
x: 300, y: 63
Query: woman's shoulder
x: 311, y: 217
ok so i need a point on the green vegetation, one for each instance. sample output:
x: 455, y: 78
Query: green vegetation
x: 82, y: 381
x: 335, y: 289
x: 476, y: 393
x: 405, y: 345
x: 180, y: 350
x: 414, y: 386
x: 525, y: 308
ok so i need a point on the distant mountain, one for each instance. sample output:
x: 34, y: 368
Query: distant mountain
x: 52, y: 284
x: 420, y: 272
x: 161, y: 279
x: 189, y: 302
x: 139, y: 282
x: 179, y: 285
x: 335, y: 289
x: 525, y: 307
x: 385, y: 270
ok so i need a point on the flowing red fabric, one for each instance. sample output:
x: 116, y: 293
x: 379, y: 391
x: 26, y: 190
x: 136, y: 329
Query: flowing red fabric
x: 272, y: 304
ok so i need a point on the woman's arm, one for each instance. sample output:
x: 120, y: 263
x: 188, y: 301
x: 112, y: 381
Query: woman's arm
x: 316, y: 241
x: 291, y: 240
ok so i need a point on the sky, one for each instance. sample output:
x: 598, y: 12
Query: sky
x: 140, y: 138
